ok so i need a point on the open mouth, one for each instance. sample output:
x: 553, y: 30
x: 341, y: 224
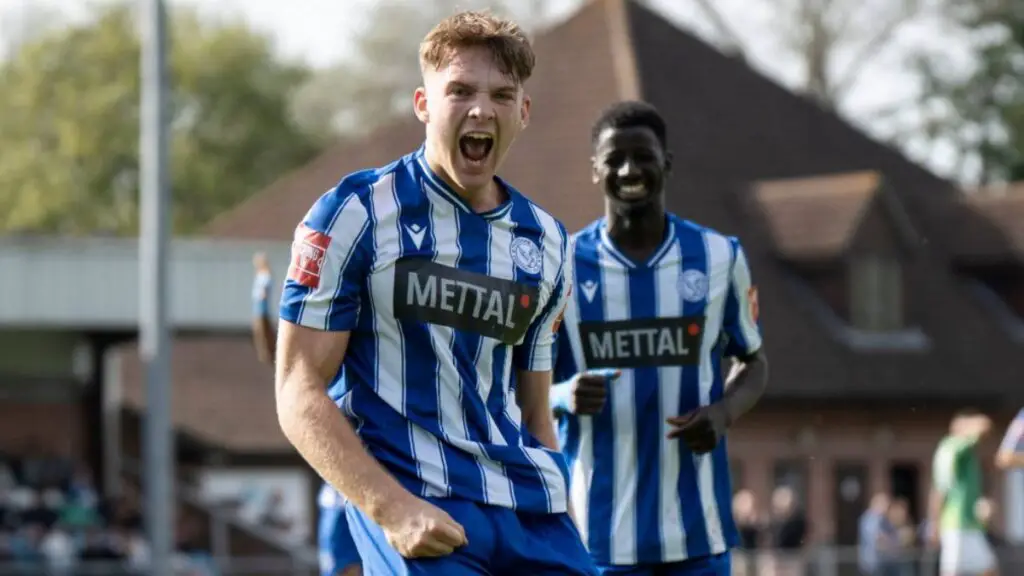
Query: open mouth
x: 476, y: 146
x: 632, y: 190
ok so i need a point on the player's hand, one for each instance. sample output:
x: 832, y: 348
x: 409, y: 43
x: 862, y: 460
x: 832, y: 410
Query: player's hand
x: 418, y: 529
x: 589, y: 391
x: 701, y: 429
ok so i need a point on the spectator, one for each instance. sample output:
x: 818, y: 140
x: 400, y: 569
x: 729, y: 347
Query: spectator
x: 749, y: 525
x: 34, y: 510
x: 874, y: 533
x: 788, y: 529
x: 59, y: 551
x: 901, y: 539
x: 25, y: 545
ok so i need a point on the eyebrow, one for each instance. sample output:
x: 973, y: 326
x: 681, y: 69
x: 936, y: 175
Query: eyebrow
x: 464, y: 84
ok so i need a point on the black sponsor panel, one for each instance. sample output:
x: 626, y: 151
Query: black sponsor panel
x: 644, y: 342
x: 426, y: 291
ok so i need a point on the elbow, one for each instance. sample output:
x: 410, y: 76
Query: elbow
x: 293, y: 407
x: 756, y: 366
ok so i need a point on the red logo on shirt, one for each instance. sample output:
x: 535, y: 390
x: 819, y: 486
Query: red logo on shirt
x: 755, y: 306
x: 309, y: 249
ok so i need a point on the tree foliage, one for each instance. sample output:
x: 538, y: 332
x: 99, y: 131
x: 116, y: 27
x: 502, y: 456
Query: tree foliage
x: 982, y: 111
x: 70, y: 126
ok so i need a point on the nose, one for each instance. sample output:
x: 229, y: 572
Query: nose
x: 628, y: 169
x: 481, y: 110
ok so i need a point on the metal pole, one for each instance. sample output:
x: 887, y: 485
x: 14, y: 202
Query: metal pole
x: 154, y: 345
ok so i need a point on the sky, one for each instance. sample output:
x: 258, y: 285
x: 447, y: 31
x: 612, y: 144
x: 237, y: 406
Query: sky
x: 317, y: 31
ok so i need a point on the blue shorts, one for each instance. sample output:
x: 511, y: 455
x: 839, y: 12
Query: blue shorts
x: 334, y: 540
x: 502, y: 542
x: 717, y: 565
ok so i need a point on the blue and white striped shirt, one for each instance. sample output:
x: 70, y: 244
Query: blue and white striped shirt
x: 640, y: 497
x: 442, y: 303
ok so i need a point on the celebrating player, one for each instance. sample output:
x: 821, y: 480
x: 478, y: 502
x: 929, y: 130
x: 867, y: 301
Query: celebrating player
x: 427, y: 282
x: 337, y: 551
x: 957, y: 487
x: 642, y: 407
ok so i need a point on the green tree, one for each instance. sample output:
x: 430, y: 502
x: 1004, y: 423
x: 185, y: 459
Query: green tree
x: 982, y: 112
x: 70, y: 123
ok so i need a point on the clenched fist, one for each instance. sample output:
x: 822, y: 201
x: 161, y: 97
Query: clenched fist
x: 416, y: 528
x: 586, y: 393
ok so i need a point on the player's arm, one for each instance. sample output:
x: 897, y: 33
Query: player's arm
x: 534, y: 360
x: 576, y: 391
x: 748, y: 376
x: 564, y: 368
x: 943, y: 471
x: 318, y: 311
x: 1011, y: 449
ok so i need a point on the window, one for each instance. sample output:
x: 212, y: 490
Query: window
x: 876, y: 294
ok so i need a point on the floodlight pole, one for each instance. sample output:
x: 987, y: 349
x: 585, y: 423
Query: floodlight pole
x: 154, y: 333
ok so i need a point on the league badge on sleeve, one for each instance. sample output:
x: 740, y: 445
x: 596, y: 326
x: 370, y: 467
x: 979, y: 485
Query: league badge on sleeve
x: 309, y: 251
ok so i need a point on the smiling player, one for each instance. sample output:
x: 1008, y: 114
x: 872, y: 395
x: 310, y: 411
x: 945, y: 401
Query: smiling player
x: 642, y: 406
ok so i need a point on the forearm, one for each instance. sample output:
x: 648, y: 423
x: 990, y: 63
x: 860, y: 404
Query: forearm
x: 745, y: 385
x: 326, y: 440
x: 533, y: 396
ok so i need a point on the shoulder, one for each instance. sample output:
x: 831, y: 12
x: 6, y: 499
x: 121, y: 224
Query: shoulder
x: 710, y: 236
x: 527, y: 215
x: 589, y: 235
x: 350, y: 197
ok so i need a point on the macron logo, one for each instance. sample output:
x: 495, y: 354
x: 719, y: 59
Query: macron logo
x: 416, y: 234
x: 589, y: 288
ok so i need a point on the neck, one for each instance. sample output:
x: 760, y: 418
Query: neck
x: 482, y: 199
x: 638, y: 230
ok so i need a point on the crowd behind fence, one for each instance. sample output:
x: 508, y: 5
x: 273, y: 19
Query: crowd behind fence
x: 845, y: 561
x: 813, y: 561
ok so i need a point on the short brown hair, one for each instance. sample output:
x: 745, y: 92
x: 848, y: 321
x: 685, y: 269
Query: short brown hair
x: 506, y: 41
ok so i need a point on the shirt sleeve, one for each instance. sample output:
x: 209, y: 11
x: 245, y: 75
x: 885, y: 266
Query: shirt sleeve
x: 330, y: 262
x: 740, y: 322
x: 536, y: 353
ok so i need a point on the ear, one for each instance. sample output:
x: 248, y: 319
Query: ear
x: 419, y: 104
x: 594, y: 175
x: 524, y: 111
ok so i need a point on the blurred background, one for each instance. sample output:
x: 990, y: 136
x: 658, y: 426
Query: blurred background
x: 867, y: 153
